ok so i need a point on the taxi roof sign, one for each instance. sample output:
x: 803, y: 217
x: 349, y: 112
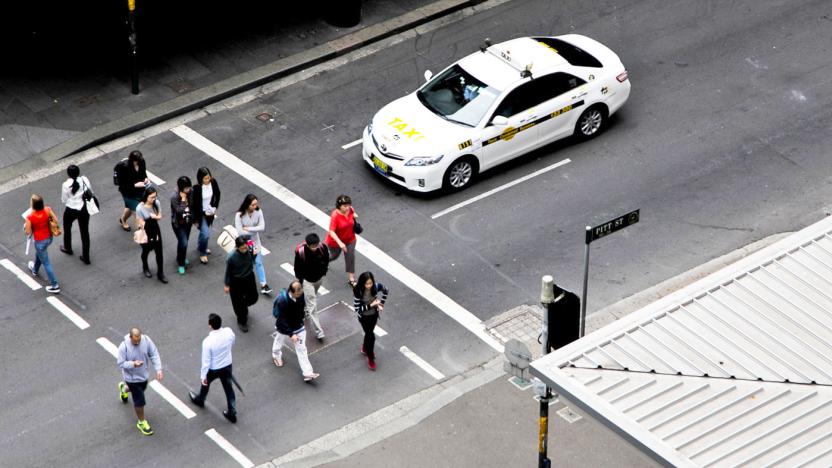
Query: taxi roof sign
x: 505, y: 56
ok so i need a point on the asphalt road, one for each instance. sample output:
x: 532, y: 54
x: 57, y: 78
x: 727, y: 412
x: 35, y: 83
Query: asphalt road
x: 724, y: 141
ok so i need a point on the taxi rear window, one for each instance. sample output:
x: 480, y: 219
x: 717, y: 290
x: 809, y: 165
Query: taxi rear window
x: 574, y: 55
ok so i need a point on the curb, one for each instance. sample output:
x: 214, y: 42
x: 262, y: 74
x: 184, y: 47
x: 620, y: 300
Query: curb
x: 235, y: 85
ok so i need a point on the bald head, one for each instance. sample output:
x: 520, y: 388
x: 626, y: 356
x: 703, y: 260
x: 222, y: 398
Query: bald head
x: 135, y: 335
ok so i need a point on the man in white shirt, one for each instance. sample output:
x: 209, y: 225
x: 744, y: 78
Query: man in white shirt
x: 216, y: 364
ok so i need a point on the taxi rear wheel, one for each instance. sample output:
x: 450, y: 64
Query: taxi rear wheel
x: 460, y: 174
x: 591, y: 122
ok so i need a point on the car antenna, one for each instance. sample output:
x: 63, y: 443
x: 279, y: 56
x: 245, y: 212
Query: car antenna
x: 485, y: 45
x: 527, y: 72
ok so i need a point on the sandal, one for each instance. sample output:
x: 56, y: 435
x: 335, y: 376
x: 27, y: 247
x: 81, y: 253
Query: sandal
x: 203, y: 260
x: 123, y: 224
x: 352, y: 283
x: 277, y: 361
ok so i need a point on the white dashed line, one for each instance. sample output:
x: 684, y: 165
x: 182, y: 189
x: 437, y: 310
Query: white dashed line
x: 436, y: 297
x: 378, y: 331
x: 422, y: 363
x: 501, y: 188
x: 354, y: 143
x: 291, y: 270
x: 28, y: 280
x: 68, y: 313
x: 229, y: 449
x: 172, y: 399
x: 154, y: 178
x: 108, y: 346
x: 264, y: 250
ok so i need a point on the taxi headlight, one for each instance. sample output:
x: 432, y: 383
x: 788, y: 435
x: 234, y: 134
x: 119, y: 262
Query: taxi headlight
x: 423, y: 160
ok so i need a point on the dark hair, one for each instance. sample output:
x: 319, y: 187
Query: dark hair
x: 343, y: 200
x: 201, y: 173
x: 136, y: 157
x: 215, y: 321
x: 246, y: 203
x: 239, y: 241
x: 295, y: 286
x: 362, y: 279
x: 183, y: 182
x: 37, y: 202
x: 149, y: 190
x: 312, y: 239
x: 73, y: 172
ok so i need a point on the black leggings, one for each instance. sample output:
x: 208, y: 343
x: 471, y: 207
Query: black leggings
x: 368, y: 323
x: 70, y: 215
x: 156, y: 246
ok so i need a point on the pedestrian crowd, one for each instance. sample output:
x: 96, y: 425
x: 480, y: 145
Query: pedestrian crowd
x: 195, y: 205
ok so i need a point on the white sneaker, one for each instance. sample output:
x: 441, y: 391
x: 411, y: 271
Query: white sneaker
x: 320, y: 335
x: 32, y: 269
x: 54, y: 289
x: 265, y: 289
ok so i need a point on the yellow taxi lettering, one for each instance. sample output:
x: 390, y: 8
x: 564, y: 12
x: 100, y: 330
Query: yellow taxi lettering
x: 411, y: 133
x: 401, y: 125
x: 395, y: 119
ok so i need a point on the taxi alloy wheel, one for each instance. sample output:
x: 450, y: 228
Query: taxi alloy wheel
x: 590, y: 122
x: 459, y: 174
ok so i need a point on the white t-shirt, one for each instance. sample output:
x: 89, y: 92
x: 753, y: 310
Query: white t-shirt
x: 207, y: 193
x: 74, y: 200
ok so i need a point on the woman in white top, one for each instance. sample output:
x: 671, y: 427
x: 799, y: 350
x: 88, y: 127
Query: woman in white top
x: 249, y: 222
x: 72, y: 196
x: 206, y: 200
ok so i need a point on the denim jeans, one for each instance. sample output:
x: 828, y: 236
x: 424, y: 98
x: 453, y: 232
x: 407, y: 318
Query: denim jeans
x: 42, y: 258
x: 259, y: 268
x: 182, y: 236
x: 204, y: 236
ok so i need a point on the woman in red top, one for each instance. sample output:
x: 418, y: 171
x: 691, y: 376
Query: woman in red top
x: 341, y: 235
x: 37, y: 226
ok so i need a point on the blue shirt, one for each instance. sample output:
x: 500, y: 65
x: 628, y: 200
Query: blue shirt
x: 216, y: 350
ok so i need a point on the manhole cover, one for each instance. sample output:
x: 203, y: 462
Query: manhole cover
x: 338, y: 321
x: 523, y: 323
x: 181, y: 86
x: 264, y: 117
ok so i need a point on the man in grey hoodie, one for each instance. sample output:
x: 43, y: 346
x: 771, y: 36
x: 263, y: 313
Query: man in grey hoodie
x: 133, y: 354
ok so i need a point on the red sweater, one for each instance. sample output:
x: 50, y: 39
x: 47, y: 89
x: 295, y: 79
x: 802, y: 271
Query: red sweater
x: 343, y: 227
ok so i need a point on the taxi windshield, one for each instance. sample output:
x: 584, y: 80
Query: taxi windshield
x: 457, y: 96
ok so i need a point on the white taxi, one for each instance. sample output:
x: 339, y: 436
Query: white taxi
x: 495, y: 105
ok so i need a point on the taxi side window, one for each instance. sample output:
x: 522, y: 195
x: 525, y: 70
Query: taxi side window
x: 535, y: 92
x: 551, y: 86
x: 522, y: 98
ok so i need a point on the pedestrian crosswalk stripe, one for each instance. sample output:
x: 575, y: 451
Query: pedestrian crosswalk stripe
x: 172, y: 399
x: 68, y: 313
x: 378, y: 331
x: 108, y: 346
x: 27, y: 280
x: 422, y: 363
x: 154, y: 178
x: 291, y: 270
x: 229, y: 449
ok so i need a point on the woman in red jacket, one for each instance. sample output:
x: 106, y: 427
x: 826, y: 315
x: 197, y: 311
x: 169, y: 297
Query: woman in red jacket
x: 37, y: 226
x: 341, y: 235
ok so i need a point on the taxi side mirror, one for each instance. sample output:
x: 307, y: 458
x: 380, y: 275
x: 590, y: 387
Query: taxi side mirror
x: 428, y: 75
x: 499, y: 121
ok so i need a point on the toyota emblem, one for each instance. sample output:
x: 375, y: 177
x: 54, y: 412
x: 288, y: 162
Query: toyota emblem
x: 383, y: 147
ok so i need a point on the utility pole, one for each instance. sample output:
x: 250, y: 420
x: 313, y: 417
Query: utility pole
x: 547, y: 297
x: 131, y: 38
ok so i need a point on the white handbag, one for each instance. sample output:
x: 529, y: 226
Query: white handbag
x: 227, y: 237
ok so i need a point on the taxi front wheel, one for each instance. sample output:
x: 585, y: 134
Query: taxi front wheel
x: 591, y: 122
x: 460, y: 174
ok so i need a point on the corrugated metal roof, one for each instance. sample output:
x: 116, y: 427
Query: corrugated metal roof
x: 735, y: 369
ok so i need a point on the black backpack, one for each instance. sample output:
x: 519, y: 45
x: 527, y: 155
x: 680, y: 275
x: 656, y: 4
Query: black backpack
x: 118, y: 171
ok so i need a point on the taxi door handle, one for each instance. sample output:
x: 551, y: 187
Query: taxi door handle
x: 531, y: 117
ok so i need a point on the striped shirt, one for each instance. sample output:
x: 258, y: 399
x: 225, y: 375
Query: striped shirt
x: 361, y: 301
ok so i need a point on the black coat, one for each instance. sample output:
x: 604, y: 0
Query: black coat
x: 288, y: 314
x: 196, y: 201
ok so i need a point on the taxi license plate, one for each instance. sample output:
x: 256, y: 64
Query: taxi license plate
x: 380, y: 166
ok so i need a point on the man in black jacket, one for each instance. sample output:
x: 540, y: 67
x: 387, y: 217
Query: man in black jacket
x: 239, y: 281
x: 288, y: 312
x: 311, y: 264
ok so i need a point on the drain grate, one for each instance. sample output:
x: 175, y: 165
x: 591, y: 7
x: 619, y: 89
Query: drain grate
x: 265, y: 117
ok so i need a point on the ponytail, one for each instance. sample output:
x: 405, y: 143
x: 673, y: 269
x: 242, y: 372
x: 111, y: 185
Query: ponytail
x: 73, y: 172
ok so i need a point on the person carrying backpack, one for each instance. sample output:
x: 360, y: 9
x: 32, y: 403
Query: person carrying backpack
x: 311, y: 264
x: 288, y: 311
x: 130, y: 176
x: 369, y: 297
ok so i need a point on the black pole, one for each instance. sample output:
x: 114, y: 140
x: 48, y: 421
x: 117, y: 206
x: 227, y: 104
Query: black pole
x: 131, y: 38
x: 546, y: 299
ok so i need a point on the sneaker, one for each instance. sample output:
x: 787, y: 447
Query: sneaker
x: 181, y: 270
x: 230, y: 416
x: 195, y: 400
x: 56, y: 289
x: 320, y: 335
x: 32, y: 269
x: 144, y: 427
x: 265, y: 289
x: 123, y: 391
x: 371, y: 363
x: 311, y: 377
x: 277, y: 361
x: 208, y: 251
x: 187, y: 262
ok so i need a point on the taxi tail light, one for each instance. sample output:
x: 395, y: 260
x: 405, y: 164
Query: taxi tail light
x: 622, y: 77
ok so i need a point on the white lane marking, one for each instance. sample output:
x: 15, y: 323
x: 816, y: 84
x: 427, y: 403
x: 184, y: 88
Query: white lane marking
x: 378, y: 331
x: 421, y: 287
x: 291, y: 270
x: 229, y: 449
x: 154, y: 178
x: 108, y: 346
x: 421, y: 363
x: 28, y: 280
x: 501, y: 188
x: 264, y: 250
x: 172, y: 399
x: 68, y: 313
x: 354, y: 143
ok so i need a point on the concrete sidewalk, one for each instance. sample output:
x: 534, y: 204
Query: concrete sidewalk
x: 46, y: 116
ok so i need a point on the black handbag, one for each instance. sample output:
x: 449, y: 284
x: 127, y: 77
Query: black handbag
x: 356, y: 228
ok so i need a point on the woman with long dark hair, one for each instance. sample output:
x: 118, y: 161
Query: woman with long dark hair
x: 132, y: 181
x: 369, y: 297
x: 206, y: 200
x: 250, y: 222
x: 181, y: 218
x: 72, y: 196
x: 148, y: 214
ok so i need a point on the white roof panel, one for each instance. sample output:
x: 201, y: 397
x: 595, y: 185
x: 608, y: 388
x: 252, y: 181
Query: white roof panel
x: 734, y: 369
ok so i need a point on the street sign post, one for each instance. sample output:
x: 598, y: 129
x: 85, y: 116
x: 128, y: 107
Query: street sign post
x: 593, y: 234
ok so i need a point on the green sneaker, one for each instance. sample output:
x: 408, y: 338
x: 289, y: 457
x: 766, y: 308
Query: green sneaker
x: 122, y: 390
x: 144, y: 427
